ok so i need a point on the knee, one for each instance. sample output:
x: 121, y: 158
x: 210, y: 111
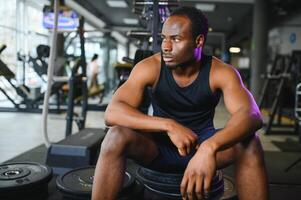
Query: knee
x: 250, y: 151
x: 116, y: 141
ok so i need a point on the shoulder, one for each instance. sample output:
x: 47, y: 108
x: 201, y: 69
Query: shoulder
x: 153, y: 60
x: 148, y: 68
x: 223, y: 74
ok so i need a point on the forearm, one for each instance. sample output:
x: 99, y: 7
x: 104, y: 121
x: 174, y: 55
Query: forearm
x: 122, y: 114
x: 241, y: 124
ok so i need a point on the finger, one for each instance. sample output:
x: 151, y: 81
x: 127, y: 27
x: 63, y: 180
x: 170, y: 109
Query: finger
x: 207, y: 184
x: 197, y: 146
x: 194, y: 135
x: 183, y: 186
x: 199, y: 187
x: 182, y: 151
x: 190, y: 188
x: 188, y: 149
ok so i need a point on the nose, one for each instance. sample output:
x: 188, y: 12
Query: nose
x: 166, y: 46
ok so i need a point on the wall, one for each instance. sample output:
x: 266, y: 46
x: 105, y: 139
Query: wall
x: 286, y: 37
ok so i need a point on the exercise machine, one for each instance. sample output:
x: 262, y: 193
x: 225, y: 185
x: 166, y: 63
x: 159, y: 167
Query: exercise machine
x: 81, y: 148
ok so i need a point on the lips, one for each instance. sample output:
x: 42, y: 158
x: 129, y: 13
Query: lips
x: 167, y: 58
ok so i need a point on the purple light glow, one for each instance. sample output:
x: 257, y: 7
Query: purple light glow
x: 198, y: 53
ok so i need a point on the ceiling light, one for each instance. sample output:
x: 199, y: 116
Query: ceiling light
x: 210, y: 29
x: 205, y: 7
x: 130, y: 21
x: 234, y: 49
x: 117, y: 3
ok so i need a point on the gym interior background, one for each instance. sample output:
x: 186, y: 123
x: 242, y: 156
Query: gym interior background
x: 261, y: 38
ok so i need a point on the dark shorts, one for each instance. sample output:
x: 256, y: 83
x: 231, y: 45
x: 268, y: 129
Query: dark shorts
x: 169, y: 159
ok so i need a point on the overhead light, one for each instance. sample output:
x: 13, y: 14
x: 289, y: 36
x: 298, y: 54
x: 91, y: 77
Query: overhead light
x: 205, y: 7
x: 234, y: 49
x: 210, y: 29
x: 130, y: 21
x: 117, y: 3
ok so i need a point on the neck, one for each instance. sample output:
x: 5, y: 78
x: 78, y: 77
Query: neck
x: 189, y: 67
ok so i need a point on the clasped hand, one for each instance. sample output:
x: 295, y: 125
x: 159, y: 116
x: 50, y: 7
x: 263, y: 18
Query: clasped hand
x: 183, y: 138
x: 201, y: 168
x: 198, y: 175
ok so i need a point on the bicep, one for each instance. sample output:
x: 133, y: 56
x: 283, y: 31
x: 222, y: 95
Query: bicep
x: 236, y: 95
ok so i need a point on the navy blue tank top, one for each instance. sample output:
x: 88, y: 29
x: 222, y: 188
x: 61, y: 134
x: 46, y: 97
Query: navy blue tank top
x: 193, y: 106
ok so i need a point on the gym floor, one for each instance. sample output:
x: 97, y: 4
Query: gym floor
x: 23, y: 131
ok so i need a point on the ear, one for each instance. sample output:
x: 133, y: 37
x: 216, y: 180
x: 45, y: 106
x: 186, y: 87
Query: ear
x: 199, y: 41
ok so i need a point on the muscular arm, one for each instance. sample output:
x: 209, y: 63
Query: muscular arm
x: 122, y: 110
x: 245, y: 119
x: 245, y: 115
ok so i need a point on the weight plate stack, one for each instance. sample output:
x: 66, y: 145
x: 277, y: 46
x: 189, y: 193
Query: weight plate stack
x: 26, y: 180
x: 77, y: 184
x: 167, y: 186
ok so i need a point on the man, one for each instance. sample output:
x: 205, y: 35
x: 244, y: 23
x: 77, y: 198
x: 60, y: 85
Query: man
x: 186, y: 87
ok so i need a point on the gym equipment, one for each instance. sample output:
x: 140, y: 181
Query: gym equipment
x: 160, y: 185
x: 298, y: 109
x: 77, y: 88
x: 21, y: 90
x: 77, y: 184
x: 123, y: 72
x: 28, y: 103
x: 279, y: 82
x: 26, y: 180
x: 2, y: 47
x: 78, y: 150
x: 39, y: 63
x: 21, y: 57
x: 154, y: 13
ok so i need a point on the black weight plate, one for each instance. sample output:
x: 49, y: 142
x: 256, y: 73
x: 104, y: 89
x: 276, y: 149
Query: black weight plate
x: 13, y: 173
x: 78, y: 182
x: 169, y: 183
x: 229, y: 189
x: 16, y: 176
x: 167, y: 178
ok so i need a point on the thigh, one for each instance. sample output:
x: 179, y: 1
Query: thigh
x: 139, y: 146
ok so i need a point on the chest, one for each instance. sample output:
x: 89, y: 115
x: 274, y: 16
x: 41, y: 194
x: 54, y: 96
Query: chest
x: 184, y: 81
x: 192, y: 96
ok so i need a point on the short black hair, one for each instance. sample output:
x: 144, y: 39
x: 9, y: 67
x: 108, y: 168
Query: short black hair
x: 95, y: 56
x: 199, y: 22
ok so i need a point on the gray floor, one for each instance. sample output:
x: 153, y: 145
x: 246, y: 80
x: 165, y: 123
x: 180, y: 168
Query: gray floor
x: 20, y: 132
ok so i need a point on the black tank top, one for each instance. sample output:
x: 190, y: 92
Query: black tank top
x: 192, y: 106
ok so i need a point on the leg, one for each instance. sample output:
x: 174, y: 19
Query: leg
x: 250, y: 171
x: 120, y: 143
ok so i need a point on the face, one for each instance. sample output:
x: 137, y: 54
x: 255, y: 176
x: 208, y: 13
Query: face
x: 178, y: 46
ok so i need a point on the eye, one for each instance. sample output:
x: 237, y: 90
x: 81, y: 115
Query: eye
x: 176, y: 39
